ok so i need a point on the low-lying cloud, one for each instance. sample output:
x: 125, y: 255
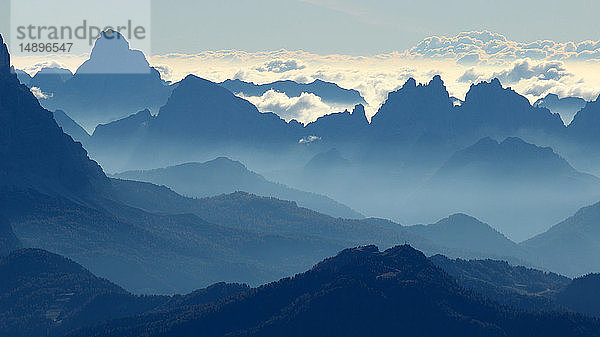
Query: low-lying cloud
x: 305, y: 108
x: 533, y: 69
x: 279, y: 66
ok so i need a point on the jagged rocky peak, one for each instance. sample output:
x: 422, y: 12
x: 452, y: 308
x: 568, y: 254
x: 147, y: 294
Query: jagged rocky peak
x: 112, y: 55
x: 411, y: 103
x: 4, y: 57
x: 358, y: 113
x: 490, y: 92
x: 34, y: 151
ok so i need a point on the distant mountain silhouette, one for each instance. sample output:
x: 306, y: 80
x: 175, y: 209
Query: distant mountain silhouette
x: 462, y: 232
x: 360, y: 292
x: 498, y: 112
x: 329, y: 160
x: 50, y: 80
x: 571, y: 246
x: 203, y: 119
x: 582, y: 295
x: 340, y: 129
x: 415, y: 114
x: 23, y: 77
x: 511, y: 160
x: 567, y: 107
x: 70, y: 127
x: 329, y: 92
x: 224, y: 176
x: 423, y: 122
x: 585, y: 124
x: 56, y: 198
x: 536, y: 184
x: 514, y: 286
x: 115, y: 82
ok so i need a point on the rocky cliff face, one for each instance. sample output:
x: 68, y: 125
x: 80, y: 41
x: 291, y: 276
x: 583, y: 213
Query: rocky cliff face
x: 34, y: 151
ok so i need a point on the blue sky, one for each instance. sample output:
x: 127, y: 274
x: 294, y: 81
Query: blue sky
x: 359, y: 27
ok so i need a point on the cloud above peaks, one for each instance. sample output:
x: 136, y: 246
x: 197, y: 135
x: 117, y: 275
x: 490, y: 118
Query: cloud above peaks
x: 483, y: 46
x: 37, y: 92
x: 279, y: 66
x: 306, y: 108
x: 520, y: 70
x: 524, y: 69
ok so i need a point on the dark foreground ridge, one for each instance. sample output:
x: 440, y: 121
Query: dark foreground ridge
x: 360, y: 292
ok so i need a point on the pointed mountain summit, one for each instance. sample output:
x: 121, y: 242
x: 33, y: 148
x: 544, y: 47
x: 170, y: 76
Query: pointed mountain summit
x: 461, y: 231
x: 494, y: 111
x: 415, y: 111
x: 4, y: 57
x: 114, y: 83
x: 535, y: 183
x: 223, y: 175
x: 338, y: 128
x: 112, y: 55
x: 200, y: 110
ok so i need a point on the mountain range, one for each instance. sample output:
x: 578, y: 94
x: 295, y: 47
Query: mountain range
x: 479, y: 178
x: 225, y: 176
x: 359, y: 292
x: 114, y: 83
x: 329, y: 92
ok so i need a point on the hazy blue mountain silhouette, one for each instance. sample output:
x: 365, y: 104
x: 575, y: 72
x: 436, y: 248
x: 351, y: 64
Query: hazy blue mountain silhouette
x: 331, y: 160
x: 115, y: 82
x: 50, y: 80
x: 571, y: 246
x: 359, y: 292
x: 56, y: 198
x: 536, y: 184
x: 498, y: 112
x: 567, y: 107
x: 329, y: 92
x: 70, y: 127
x: 415, y: 114
x: 421, y: 121
x: 200, y: 119
x: 584, y: 128
x: 465, y: 233
x: 345, y: 129
x: 514, y: 286
x: 23, y: 77
x: 512, y: 159
x: 224, y: 176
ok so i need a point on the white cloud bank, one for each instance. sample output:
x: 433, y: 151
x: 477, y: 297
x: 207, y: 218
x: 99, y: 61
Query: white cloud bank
x: 306, y: 108
x: 484, y: 46
x: 534, y: 69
